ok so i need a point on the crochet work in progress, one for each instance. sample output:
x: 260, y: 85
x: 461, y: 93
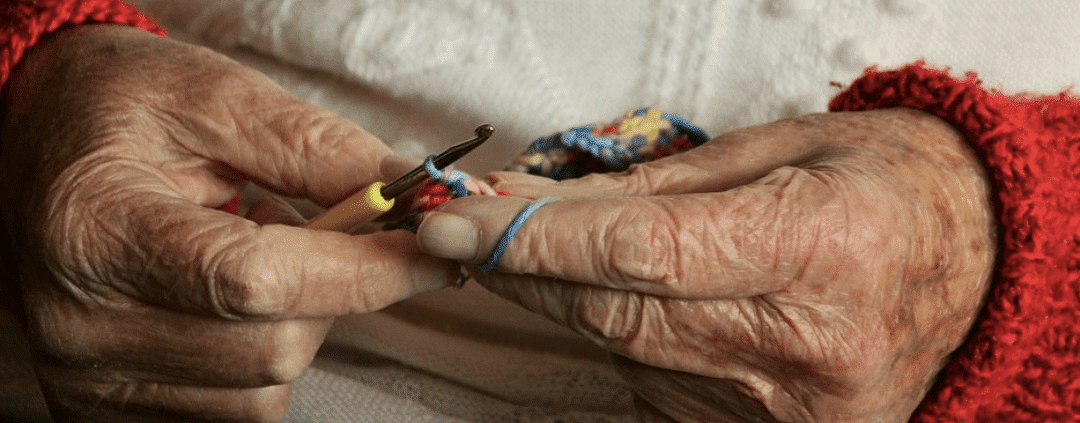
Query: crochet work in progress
x: 641, y: 135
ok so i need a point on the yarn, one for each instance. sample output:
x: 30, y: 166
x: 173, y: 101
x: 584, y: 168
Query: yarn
x: 511, y: 230
x: 23, y: 23
x: 453, y: 179
x: 437, y: 190
x: 456, y: 184
x: 641, y: 135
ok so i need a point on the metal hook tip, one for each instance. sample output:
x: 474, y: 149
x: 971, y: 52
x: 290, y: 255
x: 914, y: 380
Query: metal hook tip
x: 485, y: 130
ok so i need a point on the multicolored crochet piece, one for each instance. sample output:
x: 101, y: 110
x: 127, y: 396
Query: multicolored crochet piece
x: 639, y: 136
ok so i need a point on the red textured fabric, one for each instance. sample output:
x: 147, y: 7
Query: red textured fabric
x: 1021, y: 363
x: 24, y: 22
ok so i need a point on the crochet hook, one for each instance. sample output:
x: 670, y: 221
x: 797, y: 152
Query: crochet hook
x: 377, y: 198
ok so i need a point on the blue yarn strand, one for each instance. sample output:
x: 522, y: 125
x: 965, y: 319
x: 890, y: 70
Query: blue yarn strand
x: 455, y: 180
x: 696, y: 135
x: 508, y: 236
x: 614, y: 155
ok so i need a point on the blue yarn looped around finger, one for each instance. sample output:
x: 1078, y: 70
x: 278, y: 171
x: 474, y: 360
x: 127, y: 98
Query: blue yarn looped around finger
x: 508, y: 236
x: 453, y: 179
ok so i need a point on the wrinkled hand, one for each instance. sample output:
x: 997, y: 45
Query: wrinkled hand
x: 818, y: 269
x: 143, y: 300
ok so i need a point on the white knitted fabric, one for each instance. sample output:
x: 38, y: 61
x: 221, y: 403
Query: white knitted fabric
x: 421, y: 74
x: 533, y: 67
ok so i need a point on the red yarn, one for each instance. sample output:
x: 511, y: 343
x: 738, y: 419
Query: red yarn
x: 436, y: 193
x: 1021, y: 362
x: 24, y: 22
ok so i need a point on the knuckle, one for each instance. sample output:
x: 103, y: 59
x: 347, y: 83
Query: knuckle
x: 644, y: 250
x: 286, y: 355
x: 66, y: 334
x: 868, y: 234
x: 319, y: 131
x: 609, y: 315
x: 645, y: 179
x: 313, y: 135
x: 280, y: 368
x: 65, y: 345
x: 822, y: 340
x: 254, y: 291
x: 821, y: 226
x: 212, y: 76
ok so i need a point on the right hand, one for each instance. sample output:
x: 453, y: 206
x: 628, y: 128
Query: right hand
x: 816, y: 269
x: 143, y: 302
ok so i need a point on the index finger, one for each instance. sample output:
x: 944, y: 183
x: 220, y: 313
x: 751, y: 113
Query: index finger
x: 670, y: 227
x: 208, y: 261
x: 238, y: 117
x: 742, y: 242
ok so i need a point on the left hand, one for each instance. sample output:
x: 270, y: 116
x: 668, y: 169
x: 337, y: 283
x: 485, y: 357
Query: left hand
x: 813, y: 269
x: 143, y: 302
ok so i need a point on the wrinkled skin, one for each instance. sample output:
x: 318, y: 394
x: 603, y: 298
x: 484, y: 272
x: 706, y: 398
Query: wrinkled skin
x: 143, y: 302
x: 817, y: 269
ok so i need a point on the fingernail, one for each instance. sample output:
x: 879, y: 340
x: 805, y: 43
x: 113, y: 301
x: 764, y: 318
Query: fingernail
x: 448, y: 236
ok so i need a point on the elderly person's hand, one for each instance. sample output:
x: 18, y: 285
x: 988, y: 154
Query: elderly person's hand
x: 818, y: 269
x: 145, y: 302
